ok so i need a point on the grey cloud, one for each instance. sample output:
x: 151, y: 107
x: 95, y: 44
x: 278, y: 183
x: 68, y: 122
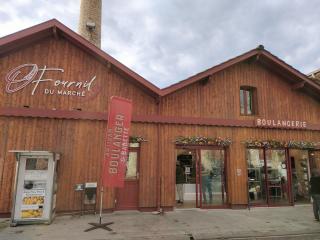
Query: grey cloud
x: 4, y: 17
x: 209, y: 32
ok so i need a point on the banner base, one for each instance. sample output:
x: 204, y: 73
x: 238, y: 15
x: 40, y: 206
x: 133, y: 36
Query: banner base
x: 99, y: 225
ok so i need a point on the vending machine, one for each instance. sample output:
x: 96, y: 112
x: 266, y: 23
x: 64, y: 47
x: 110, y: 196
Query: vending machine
x: 35, y: 190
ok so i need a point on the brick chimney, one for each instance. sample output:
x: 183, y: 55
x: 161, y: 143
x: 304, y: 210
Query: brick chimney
x: 90, y: 21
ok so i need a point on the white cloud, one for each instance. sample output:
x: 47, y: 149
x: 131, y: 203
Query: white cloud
x: 168, y: 40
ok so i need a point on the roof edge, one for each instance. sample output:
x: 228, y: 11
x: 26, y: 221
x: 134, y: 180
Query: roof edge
x: 197, y: 77
x: 44, y: 28
x: 259, y: 51
x: 27, y: 31
x: 82, y: 43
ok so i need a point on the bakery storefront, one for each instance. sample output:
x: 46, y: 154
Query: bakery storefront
x: 279, y: 171
x: 235, y: 143
x: 280, y: 175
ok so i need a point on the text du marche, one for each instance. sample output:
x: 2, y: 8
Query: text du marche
x: 17, y: 81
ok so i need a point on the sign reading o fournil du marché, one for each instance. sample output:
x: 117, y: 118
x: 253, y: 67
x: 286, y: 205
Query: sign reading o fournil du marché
x: 31, y: 74
x: 276, y: 123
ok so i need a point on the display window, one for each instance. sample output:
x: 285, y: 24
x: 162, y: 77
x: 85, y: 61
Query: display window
x: 268, y: 177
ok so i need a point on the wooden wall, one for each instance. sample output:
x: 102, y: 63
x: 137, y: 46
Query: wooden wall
x: 78, y: 66
x: 80, y: 142
x: 219, y: 98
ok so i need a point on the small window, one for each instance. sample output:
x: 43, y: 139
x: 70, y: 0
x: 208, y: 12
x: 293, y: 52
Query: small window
x: 37, y: 164
x: 248, y: 101
x: 132, y: 162
x: 132, y: 169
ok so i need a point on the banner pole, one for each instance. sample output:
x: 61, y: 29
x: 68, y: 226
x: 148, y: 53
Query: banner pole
x: 119, y: 120
x: 100, y: 224
x: 101, y: 199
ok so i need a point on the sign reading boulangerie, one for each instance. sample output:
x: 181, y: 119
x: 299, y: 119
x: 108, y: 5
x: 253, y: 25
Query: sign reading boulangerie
x: 116, y: 142
x: 276, y: 123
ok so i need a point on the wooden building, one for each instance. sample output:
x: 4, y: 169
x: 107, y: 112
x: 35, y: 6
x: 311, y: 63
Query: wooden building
x: 246, y: 131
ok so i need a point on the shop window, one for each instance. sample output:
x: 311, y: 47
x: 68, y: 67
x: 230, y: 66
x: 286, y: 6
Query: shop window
x: 256, y: 176
x: 268, y: 176
x: 248, y: 100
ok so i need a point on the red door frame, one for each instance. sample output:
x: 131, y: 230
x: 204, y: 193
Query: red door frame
x: 137, y: 180
x: 266, y: 183
x: 196, y: 151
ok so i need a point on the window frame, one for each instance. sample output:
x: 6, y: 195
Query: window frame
x: 247, y: 91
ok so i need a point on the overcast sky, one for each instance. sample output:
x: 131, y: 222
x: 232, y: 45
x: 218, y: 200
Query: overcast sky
x: 166, y: 41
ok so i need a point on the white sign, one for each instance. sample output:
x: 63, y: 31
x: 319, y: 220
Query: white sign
x: 90, y: 185
x: 26, y: 74
x: 34, y: 192
x: 262, y: 122
x: 29, y: 207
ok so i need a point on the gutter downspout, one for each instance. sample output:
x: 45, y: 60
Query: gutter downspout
x: 159, y: 165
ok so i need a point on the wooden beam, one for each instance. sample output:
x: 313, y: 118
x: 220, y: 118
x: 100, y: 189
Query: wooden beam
x: 298, y: 85
x: 290, y: 78
x: 102, y: 116
x: 253, y: 59
x: 204, y: 81
x: 257, y: 58
x: 55, y: 32
x: 109, y: 66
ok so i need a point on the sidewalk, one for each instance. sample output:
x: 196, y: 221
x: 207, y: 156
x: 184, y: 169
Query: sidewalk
x: 277, y: 223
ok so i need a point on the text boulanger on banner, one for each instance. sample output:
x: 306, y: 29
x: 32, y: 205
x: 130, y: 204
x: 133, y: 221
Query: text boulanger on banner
x: 116, y: 142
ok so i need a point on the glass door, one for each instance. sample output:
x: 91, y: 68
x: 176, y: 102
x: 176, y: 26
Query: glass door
x: 186, y: 180
x: 257, y: 193
x: 277, y: 176
x: 212, y: 182
x: 268, y: 181
x: 300, y: 175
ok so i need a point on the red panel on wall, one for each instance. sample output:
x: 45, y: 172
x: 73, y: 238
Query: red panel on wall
x: 128, y: 199
x: 116, y: 142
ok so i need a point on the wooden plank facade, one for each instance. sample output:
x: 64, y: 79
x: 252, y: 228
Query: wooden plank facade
x: 207, y: 104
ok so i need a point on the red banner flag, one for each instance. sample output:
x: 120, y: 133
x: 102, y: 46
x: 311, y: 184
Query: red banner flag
x: 116, y: 142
